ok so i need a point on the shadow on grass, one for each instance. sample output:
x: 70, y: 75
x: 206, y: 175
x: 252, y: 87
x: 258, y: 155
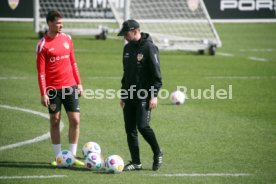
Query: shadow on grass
x: 35, y: 165
x: 46, y: 165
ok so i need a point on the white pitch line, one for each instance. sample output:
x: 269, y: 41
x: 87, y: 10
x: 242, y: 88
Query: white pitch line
x: 257, y: 50
x: 203, y: 174
x: 34, y: 140
x: 258, y: 59
x: 250, y: 58
x: 224, y: 54
x: 31, y: 177
x: 14, y: 78
x: 241, y: 77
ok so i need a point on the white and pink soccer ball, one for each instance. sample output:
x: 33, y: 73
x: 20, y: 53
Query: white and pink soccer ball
x: 114, y: 164
x: 94, y: 161
x: 177, y: 97
x: 65, y: 158
x: 90, y: 147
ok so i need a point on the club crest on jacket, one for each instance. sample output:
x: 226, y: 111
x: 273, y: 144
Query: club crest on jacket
x: 139, y: 57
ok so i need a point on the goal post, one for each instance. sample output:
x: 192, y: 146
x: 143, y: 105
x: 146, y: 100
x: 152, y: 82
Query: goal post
x: 173, y: 24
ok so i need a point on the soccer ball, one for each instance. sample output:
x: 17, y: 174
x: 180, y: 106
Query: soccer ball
x: 94, y: 161
x: 114, y: 164
x: 177, y: 97
x: 91, y: 147
x: 65, y: 158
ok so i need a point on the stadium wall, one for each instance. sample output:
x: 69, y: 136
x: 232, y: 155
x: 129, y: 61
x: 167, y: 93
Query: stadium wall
x: 219, y: 10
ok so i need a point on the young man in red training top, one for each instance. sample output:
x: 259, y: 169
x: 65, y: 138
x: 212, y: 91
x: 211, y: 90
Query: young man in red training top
x: 59, y: 81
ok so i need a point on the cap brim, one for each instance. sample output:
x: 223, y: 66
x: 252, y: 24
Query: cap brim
x: 122, y: 33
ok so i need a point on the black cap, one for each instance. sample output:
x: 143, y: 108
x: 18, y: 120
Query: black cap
x: 128, y: 25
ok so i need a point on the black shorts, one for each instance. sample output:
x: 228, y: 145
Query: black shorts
x: 67, y: 96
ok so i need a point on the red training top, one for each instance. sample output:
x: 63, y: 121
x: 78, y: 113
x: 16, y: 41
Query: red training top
x: 56, y: 64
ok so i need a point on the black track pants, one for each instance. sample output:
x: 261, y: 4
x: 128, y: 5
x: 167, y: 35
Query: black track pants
x: 137, y: 116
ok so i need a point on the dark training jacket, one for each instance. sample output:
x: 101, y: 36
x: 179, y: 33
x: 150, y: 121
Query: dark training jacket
x: 141, y: 68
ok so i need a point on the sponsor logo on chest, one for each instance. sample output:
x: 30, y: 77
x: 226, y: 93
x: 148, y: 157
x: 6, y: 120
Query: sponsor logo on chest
x: 126, y: 55
x: 58, y: 58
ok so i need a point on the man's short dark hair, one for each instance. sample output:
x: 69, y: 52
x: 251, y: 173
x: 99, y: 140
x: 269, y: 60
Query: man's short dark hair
x: 52, y: 15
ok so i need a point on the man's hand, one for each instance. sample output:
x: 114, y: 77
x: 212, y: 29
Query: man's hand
x: 153, y: 103
x: 45, y: 100
x: 122, y: 103
x: 80, y: 90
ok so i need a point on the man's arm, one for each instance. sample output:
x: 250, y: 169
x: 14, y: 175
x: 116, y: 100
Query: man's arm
x: 40, y: 64
x: 123, y: 87
x: 156, y: 75
x: 155, y: 69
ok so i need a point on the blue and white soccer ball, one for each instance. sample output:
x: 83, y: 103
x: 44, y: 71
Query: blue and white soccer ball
x: 65, y: 158
x: 177, y: 97
x: 90, y: 147
x: 114, y: 164
x: 94, y: 161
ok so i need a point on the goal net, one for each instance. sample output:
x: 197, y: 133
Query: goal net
x: 173, y: 24
x: 82, y: 17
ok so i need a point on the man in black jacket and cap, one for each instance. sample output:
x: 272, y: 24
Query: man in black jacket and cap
x: 140, y: 85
